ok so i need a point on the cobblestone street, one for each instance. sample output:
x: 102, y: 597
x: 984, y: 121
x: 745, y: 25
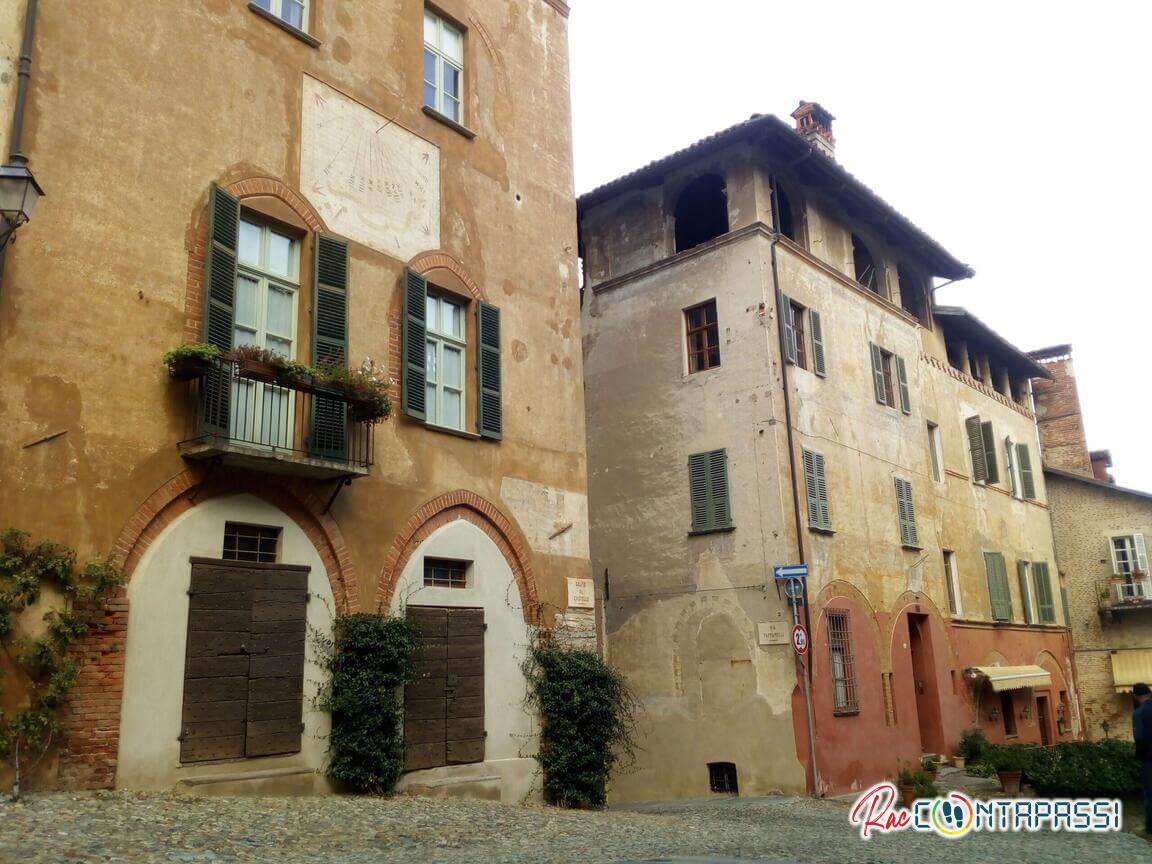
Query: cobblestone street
x: 114, y: 827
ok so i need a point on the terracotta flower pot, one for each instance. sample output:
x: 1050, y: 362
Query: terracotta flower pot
x: 1010, y: 782
x: 958, y: 761
x: 908, y: 795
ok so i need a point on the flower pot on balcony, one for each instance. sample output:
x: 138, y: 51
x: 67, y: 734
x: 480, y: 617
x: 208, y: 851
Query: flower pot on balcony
x: 189, y: 368
x: 255, y: 370
x: 1009, y: 782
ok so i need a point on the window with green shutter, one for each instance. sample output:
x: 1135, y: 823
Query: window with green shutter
x: 902, y: 381
x: 1011, y: 467
x: 890, y: 379
x: 976, y: 448
x: 819, y: 365
x: 1027, y: 478
x: 1045, y: 601
x: 708, y: 491
x: 989, y: 439
x: 999, y: 595
x: 906, y: 510
x: 817, y: 491
x: 787, y: 322
x: 330, y: 342
x: 488, y: 371
x: 219, y: 304
x: 415, y: 333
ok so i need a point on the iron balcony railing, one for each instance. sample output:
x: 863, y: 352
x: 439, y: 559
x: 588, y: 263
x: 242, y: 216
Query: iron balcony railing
x: 1125, y: 592
x: 238, y: 407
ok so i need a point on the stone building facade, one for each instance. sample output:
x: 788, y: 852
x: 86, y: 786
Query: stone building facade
x: 769, y: 382
x: 334, y: 185
x: 1101, y: 532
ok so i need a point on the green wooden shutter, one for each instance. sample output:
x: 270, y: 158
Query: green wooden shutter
x: 219, y: 305
x: 818, y: 363
x: 415, y: 335
x: 784, y: 305
x: 906, y: 510
x: 1025, y: 594
x: 989, y: 439
x: 1027, y: 478
x: 902, y: 378
x: 1045, y: 602
x: 822, y: 492
x: 878, y: 374
x: 976, y: 448
x: 490, y: 419
x: 330, y: 343
x: 998, y: 595
x: 699, y: 491
x: 811, y: 488
x: 718, y: 477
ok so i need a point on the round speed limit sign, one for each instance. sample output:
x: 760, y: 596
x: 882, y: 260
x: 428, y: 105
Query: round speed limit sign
x: 800, y: 639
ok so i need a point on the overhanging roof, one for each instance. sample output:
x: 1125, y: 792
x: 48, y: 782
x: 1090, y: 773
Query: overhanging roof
x: 1014, y: 677
x: 1131, y: 667
x: 968, y: 327
x: 1101, y: 484
x: 813, y: 169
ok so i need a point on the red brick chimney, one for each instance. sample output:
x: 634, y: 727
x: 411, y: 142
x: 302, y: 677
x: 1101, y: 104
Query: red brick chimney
x: 1062, y: 440
x: 1101, y: 462
x: 815, y: 124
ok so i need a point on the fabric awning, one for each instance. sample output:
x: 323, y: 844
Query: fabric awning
x: 1131, y: 667
x: 1014, y: 677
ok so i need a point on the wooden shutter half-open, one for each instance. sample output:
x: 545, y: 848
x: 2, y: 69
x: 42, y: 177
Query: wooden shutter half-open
x: 219, y: 305
x: 819, y: 365
x: 330, y: 343
x: 700, y: 492
x: 998, y: 595
x: 489, y: 381
x: 1027, y: 478
x: 1045, y: 601
x: 1011, y: 465
x: 276, y: 670
x: 788, y: 322
x: 1141, y: 552
x: 976, y: 449
x: 415, y: 339
x: 902, y: 380
x: 878, y: 374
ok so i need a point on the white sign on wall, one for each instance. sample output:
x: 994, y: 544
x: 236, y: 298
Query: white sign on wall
x: 581, y: 594
x: 371, y: 180
x: 774, y: 632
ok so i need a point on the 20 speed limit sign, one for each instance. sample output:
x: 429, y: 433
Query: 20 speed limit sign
x: 800, y: 639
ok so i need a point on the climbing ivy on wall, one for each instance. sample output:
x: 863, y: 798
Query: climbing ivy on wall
x: 42, y: 659
x: 369, y: 658
x: 587, y: 716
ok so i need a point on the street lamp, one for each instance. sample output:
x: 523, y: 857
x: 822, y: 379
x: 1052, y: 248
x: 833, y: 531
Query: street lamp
x: 19, y: 193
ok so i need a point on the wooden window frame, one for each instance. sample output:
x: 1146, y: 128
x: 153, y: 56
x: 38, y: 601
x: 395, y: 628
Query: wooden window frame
x: 440, y: 339
x: 936, y: 451
x: 453, y: 567
x: 275, y: 8
x: 798, y: 318
x: 442, y: 60
x: 952, y: 583
x: 845, y: 699
x: 699, y: 359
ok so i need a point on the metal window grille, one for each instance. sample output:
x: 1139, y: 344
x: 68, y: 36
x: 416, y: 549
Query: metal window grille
x: 259, y: 543
x: 441, y: 573
x: 722, y: 777
x: 844, y: 699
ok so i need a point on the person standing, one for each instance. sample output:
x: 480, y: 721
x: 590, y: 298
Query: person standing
x: 1142, y: 735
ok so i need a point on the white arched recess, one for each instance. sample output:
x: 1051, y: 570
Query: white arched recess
x: 508, y: 771
x: 149, y: 755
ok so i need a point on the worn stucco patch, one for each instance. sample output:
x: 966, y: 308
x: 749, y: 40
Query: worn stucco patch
x: 554, y: 521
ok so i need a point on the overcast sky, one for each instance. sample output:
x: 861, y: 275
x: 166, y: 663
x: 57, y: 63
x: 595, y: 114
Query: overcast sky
x: 1017, y: 134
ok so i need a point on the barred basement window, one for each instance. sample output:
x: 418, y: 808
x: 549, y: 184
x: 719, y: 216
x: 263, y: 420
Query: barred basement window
x: 258, y: 543
x: 844, y: 700
x: 722, y: 777
x: 442, y: 573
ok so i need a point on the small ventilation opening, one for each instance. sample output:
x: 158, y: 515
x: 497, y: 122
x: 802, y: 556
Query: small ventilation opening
x: 722, y: 778
x: 701, y: 212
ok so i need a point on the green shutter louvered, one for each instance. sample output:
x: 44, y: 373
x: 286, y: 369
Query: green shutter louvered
x: 989, y: 439
x: 818, y: 362
x: 822, y: 492
x: 219, y: 305
x: 902, y: 379
x: 878, y: 374
x: 330, y: 343
x: 708, y: 490
x: 1045, y: 603
x: 490, y: 419
x: 810, y: 487
x: 906, y: 511
x: 415, y: 337
x: 1025, y: 593
x: 1027, y: 478
x: 787, y: 321
x: 1000, y: 599
x: 976, y: 449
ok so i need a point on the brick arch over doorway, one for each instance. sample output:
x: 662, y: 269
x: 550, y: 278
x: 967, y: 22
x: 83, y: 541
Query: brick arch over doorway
x: 197, y: 242
x: 482, y: 513
x: 88, y: 758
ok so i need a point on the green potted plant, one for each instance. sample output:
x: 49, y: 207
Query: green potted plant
x: 972, y: 745
x: 929, y: 766
x: 256, y: 363
x: 297, y: 376
x: 1008, y: 761
x: 909, y: 782
x: 191, y: 360
x: 365, y: 389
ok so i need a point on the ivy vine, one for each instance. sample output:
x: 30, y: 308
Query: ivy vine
x: 45, y: 661
x: 587, y: 716
x: 369, y: 658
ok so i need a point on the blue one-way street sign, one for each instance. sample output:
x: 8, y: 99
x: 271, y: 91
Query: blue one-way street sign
x: 791, y: 571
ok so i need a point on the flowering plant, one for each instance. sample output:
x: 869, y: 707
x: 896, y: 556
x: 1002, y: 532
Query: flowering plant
x: 367, y: 387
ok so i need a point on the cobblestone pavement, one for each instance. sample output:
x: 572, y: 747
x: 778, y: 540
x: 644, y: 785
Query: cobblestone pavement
x: 116, y: 827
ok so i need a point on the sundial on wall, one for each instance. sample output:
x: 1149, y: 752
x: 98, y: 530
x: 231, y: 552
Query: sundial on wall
x: 372, y: 180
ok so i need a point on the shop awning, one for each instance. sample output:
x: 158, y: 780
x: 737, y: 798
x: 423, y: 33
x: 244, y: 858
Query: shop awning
x: 1131, y: 667
x: 1014, y: 677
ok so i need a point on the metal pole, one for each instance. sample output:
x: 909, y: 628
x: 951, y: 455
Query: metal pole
x: 803, y: 667
x: 15, y: 156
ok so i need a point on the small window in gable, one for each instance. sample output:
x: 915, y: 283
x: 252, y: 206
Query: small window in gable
x: 701, y: 212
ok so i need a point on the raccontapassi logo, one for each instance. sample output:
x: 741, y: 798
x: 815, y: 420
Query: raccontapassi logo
x: 956, y: 815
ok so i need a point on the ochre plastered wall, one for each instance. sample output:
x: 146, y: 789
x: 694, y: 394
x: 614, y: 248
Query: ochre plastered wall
x: 104, y: 279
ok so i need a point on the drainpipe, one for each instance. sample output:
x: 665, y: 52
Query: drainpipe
x: 15, y: 156
x: 805, y: 665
